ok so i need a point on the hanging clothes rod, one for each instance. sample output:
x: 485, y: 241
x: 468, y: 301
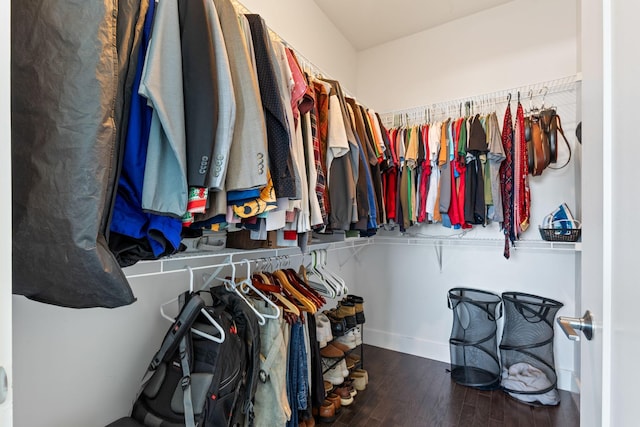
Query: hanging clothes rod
x: 305, y: 62
x: 421, y: 114
x: 208, y: 260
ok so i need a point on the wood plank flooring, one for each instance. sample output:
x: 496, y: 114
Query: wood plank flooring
x: 410, y: 391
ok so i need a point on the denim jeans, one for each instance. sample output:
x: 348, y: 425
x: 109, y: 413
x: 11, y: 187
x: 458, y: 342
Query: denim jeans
x: 297, y: 383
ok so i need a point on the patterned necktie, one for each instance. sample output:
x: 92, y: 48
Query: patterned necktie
x: 506, y: 180
x: 524, y: 194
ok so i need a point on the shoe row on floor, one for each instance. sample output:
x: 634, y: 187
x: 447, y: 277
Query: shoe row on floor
x: 341, y: 387
x: 339, y: 332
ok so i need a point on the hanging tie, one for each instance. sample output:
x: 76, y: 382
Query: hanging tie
x: 506, y: 180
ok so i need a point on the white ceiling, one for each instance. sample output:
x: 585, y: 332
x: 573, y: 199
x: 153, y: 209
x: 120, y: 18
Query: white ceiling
x: 368, y: 23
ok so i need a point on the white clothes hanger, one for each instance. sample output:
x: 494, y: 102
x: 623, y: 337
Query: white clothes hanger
x: 337, y: 282
x: 231, y: 285
x: 204, y: 312
x: 247, y: 284
x: 316, y: 277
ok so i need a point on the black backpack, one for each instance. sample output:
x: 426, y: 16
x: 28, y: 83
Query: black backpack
x: 190, y: 374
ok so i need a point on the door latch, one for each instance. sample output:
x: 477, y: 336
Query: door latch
x: 570, y: 325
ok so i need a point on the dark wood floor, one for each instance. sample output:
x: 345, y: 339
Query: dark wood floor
x: 411, y: 391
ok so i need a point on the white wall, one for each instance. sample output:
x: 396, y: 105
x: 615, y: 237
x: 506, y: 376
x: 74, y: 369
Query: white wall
x: 516, y: 44
x: 519, y: 43
x: 303, y: 24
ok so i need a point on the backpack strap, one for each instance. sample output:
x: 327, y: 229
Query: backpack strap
x: 559, y: 124
x: 189, y: 418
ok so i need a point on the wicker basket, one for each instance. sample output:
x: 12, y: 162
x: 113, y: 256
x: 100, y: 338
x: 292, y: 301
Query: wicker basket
x: 559, y: 234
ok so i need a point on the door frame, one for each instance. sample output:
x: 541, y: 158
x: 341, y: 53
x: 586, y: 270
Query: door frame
x: 6, y: 409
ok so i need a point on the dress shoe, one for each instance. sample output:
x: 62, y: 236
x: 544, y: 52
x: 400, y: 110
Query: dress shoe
x: 348, y: 384
x: 335, y: 399
x: 325, y: 413
x: 345, y: 396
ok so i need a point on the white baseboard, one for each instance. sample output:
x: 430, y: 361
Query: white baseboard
x: 440, y: 352
x: 407, y: 344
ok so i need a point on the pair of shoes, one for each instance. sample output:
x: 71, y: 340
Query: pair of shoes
x: 349, y: 339
x: 337, y: 373
x: 342, y: 347
x: 348, y: 384
x: 331, y: 351
x: 352, y: 359
x: 338, y: 324
x: 359, y: 305
x: 359, y: 380
x: 323, y: 329
x: 310, y: 422
x: 325, y: 413
x: 344, y: 393
x: 346, y: 310
x: 363, y: 373
x: 335, y: 399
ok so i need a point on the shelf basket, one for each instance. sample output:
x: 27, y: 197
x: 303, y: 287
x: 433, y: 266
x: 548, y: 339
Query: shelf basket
x: 559, y: 234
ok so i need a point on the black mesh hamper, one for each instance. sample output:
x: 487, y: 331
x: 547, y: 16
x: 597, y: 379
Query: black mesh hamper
x: 473, y: 343
x: 526, y: 348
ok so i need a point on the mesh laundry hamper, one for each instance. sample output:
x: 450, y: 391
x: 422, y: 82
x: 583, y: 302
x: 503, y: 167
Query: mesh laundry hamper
x: 473, y: 343
x: 526, y: 348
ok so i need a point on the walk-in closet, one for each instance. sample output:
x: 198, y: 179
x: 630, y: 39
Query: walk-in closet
x: 323, y: 192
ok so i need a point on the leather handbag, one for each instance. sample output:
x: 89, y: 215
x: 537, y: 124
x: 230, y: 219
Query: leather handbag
x: 547, y: 118
x: 537, y: 145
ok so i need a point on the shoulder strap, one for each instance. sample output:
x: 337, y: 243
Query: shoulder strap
x: 189, y: 420
x: 559, y: 123
x: 180, y: 327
